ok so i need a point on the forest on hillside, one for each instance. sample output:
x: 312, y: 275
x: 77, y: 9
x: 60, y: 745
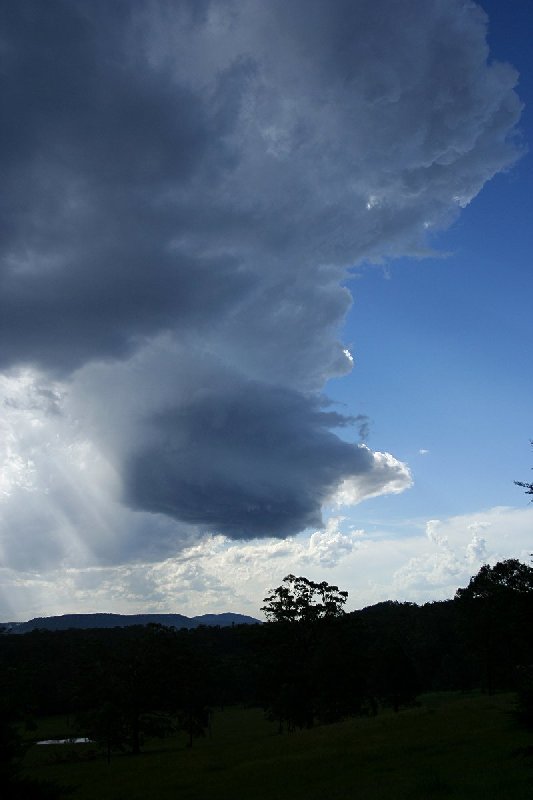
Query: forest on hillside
x: 311, y: 664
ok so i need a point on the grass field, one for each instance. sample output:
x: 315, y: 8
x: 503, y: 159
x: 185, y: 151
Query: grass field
x: 450, y: 746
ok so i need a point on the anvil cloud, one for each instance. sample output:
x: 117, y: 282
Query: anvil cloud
x: 186, y: 189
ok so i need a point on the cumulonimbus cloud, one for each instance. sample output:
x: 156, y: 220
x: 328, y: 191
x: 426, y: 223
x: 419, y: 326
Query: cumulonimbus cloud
x: 185, y: 189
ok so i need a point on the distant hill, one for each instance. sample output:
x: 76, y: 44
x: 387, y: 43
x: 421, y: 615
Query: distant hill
x: 67, y: 621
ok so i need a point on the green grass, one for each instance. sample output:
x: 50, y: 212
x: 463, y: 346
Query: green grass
x: 451, y: 746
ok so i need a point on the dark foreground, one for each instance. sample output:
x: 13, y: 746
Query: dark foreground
x: 451, y: 745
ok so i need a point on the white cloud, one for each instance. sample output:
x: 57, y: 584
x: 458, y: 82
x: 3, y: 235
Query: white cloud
x: 388, y: 475
x: 428, y: 563
x: 459, y: 551
x: 476, y: 550
x: 60, y: 498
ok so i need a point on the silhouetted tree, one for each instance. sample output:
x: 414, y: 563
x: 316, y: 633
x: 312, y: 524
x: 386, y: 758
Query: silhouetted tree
x: 129, y: 683
x: 496, y: 609
x: 524, y: 687
x: 13, y: 785
x: 300, y: 599
x: 505, y: 577
x: 193, y: 686
x: 527, y: 486
x: 393, y: 678
x: 311, y: 661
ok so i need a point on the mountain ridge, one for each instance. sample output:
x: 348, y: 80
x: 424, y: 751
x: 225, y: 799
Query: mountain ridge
x: 111, y: 620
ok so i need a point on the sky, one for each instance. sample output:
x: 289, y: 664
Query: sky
x: 264, y: 300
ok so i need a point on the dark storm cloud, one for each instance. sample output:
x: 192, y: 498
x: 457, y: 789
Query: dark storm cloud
x: 257, y: 461
x: 92, y: 140
x: 160, y: 161
x: 185, y: 187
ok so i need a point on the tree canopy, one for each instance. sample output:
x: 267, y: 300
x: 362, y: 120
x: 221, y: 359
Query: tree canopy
x: 524, y: 484
x: 299, y: 598
x: 505, y: 576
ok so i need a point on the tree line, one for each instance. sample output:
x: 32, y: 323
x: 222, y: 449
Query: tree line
x: 310, y: 664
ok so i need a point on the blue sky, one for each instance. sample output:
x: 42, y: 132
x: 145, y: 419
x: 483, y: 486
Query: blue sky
x: 441, y: 344
x: 205, y: 207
